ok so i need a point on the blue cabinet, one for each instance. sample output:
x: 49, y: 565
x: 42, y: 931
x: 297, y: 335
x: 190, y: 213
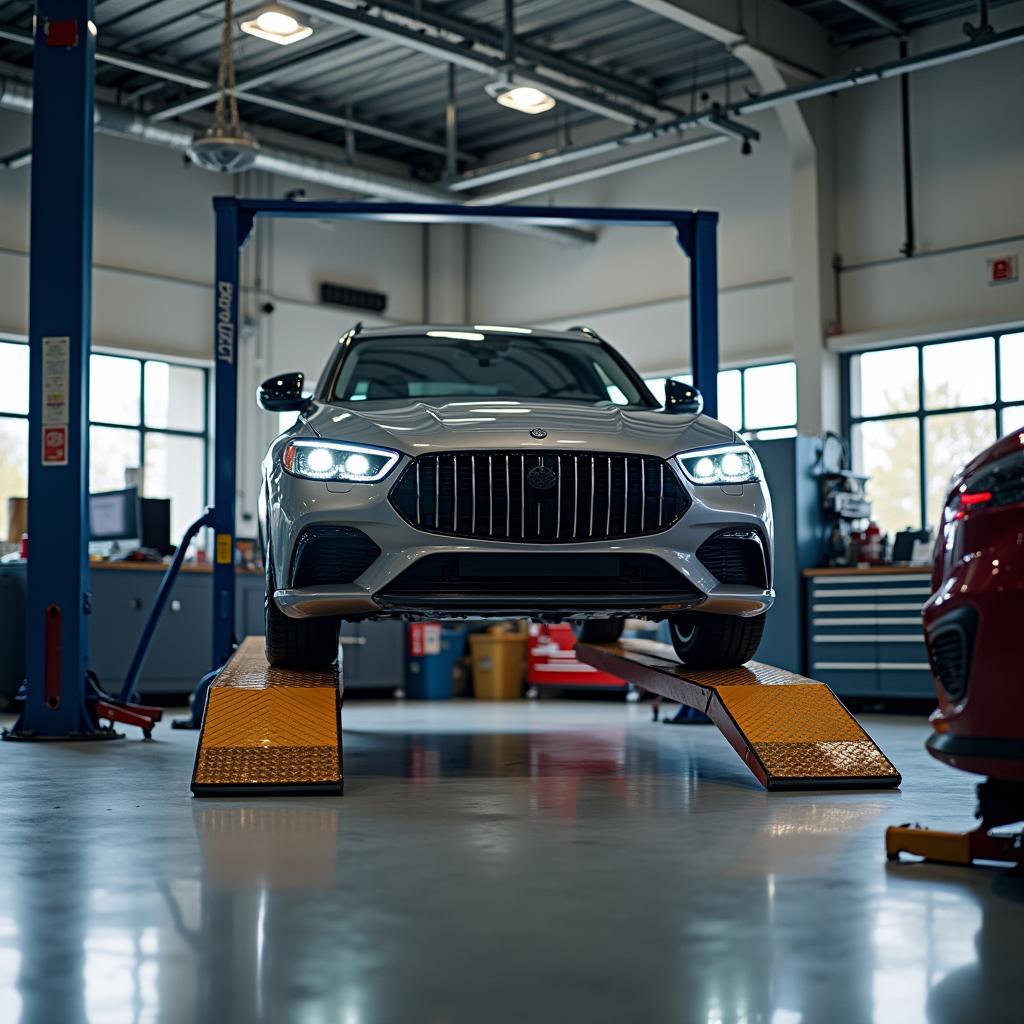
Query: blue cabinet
x: 865, y: 637
x: 122, y: 596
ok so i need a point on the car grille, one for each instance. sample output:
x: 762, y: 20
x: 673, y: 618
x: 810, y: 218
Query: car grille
x: 479, y: 582
x: 950, y: 648
x: 539, y: 496
x: 735, y: 556
x: 331, y: 554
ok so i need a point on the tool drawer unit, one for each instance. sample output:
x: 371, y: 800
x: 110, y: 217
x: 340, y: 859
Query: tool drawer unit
x: 864, y: 636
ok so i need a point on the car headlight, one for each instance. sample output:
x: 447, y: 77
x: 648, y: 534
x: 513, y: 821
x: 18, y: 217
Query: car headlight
x: 333, y: 460
x: 732, y: 464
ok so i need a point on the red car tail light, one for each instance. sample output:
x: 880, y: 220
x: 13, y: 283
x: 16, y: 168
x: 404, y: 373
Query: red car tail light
x: 997, y: 484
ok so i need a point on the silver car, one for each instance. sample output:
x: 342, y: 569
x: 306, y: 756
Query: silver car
x: 446, y: 472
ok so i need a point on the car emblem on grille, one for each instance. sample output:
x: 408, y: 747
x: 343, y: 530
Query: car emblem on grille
x: 538, y: 433
x: 542, y: 478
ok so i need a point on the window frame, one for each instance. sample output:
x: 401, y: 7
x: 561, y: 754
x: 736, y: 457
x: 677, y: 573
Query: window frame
x: 923, y: 412
x: 141, y: 427
x: 749, y: 433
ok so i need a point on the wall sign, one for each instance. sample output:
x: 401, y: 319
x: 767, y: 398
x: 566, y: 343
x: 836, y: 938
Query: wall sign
x: 56, y: 375
x: 1002, y: 269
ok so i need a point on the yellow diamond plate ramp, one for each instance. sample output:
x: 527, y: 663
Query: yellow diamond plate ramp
x: 268, y: 730
x: 791, y: 732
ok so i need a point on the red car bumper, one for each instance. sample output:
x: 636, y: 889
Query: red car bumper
x: 974, y: 621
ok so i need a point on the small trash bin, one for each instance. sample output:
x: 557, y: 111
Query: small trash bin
x: 434, y: 651
x: 499, y: 665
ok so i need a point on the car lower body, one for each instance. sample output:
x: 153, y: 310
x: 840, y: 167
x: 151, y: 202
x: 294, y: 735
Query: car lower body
x: 472, y: 539
x: 970, y: 630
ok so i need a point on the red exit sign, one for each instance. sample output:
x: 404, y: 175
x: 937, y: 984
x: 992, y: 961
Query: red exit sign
x: 1002, y: 269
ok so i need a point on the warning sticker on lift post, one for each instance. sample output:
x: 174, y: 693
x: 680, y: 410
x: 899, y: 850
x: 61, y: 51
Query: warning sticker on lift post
x: 56, y: 374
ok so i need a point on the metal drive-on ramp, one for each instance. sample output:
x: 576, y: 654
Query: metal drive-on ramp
x: 791, y: 732
x: 269, y: 731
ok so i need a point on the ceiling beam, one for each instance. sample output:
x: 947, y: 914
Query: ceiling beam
x: 420, y: 31
x: 296, y: 108
x: 793, y: 41
x: 872, y: 14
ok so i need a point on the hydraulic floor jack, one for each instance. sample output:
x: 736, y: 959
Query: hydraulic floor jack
x: 1000, y: 804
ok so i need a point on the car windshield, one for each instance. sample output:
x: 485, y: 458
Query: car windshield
x: 474, y: 365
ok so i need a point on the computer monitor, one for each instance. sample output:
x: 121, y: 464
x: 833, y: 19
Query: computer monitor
x: 156, y: 525
x: 114, y: 515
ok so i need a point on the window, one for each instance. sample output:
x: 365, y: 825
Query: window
x: 377, y: 368
x: 142, y: 412
x: 758, y: 402
x: 919, y: 412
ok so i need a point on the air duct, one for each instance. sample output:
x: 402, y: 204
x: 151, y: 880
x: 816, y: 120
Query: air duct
x: 315, y: 170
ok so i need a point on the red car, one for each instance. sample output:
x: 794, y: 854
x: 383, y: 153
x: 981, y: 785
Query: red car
x: 974, y: 620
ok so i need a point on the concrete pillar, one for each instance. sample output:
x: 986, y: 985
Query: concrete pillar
x: 809, y: 130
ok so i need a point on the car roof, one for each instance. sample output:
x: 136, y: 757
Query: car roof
x: 497, y: 330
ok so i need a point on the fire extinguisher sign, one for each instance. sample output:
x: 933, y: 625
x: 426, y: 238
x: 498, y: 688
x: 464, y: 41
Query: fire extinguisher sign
x: 55, y: 446
x: 56, y: 352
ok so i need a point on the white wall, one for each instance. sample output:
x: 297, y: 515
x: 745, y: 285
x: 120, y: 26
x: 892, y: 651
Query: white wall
x: 153, y: 252
x: 968, y: 149
x: 968, y: 158
x: 633, y: 282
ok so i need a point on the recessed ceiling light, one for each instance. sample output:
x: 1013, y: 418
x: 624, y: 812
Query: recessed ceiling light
x: 525, y: 98
x: 276, y: 25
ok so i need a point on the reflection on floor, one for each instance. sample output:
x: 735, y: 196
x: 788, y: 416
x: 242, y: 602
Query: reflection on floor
x: 548, y: 862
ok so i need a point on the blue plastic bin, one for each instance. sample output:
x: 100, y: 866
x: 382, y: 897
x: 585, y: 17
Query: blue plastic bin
x: 429, y: 674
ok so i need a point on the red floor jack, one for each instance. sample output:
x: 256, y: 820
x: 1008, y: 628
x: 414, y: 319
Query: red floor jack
x: 124, y: 708
x: 971, y: 625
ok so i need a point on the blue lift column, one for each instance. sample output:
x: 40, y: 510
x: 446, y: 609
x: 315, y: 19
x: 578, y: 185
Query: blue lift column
x: 233, y: 227
x: 697, y: 239
x: 57, y: 613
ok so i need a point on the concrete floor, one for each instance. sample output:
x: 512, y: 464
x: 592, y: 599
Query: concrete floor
x: 560, y: 861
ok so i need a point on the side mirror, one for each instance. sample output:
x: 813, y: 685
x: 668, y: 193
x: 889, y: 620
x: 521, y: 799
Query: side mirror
x: 683, y: 399
x: 282, y: 393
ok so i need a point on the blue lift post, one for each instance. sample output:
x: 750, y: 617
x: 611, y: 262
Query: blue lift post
x: 235, y: 217
x: 57, y: 613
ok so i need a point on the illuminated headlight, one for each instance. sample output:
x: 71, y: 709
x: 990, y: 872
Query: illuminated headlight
x: 332, y: 460
x: 735, y: 464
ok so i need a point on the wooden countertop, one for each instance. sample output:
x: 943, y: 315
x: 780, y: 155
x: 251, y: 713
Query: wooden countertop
x: 162, y: 567
x: 869, y: 570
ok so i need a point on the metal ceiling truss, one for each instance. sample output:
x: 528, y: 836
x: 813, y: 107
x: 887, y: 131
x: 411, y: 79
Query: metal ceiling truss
x: 462, y: 43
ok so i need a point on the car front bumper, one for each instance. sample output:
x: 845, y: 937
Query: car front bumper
x: 295, y: 504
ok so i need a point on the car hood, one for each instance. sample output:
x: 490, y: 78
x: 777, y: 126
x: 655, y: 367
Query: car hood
x: 423, y: 426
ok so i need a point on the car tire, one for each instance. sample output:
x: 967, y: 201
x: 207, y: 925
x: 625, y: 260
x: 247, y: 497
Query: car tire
x: 715, y: 641
x: 297, y: 643
x: 601, y: 631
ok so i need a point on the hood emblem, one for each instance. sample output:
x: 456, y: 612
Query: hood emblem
x: 542, y: 478
x: 538, y: 433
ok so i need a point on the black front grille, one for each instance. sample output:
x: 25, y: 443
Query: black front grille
x: 950, y: 648
x: 485, y: 582
x: 331, y: 554
x: 736, y: 556
x: 556, y: 497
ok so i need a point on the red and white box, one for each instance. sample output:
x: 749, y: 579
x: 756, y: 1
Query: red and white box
x: 553, y: 661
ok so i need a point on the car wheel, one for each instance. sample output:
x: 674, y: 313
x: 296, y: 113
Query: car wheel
x: 297, y: 643
x: 715, y: 641
x: 601, y: 631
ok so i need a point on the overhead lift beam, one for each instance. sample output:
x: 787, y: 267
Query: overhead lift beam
x: 791, y: 732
